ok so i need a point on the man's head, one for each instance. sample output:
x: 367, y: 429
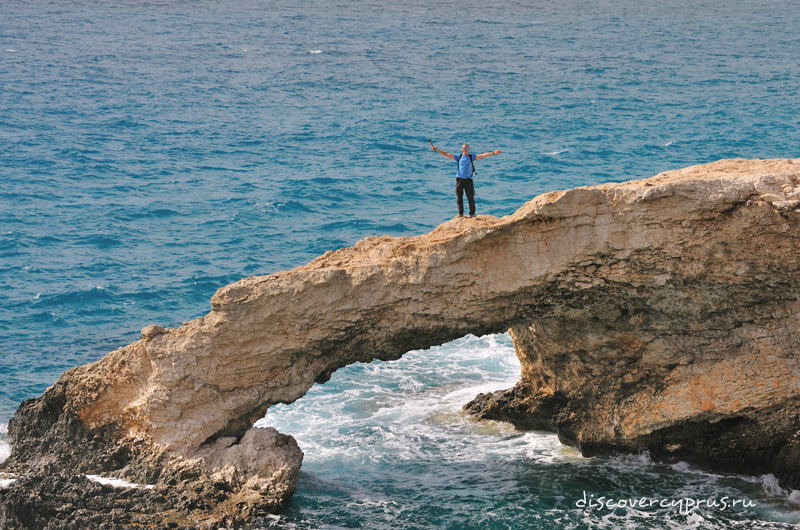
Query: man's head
x: 465, y: 148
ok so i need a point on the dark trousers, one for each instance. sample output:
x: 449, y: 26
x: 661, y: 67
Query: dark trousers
x: 463, y: 185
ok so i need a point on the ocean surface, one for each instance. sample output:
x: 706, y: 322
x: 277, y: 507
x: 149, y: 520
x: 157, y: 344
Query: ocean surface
x: 151, y: 152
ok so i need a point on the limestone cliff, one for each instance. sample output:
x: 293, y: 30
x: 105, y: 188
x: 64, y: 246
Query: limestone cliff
x: 656, y: 314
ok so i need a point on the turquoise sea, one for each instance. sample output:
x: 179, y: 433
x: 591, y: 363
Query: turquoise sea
x: 153, y: 151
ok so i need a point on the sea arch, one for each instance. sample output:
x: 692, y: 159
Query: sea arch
x: 626, y: 303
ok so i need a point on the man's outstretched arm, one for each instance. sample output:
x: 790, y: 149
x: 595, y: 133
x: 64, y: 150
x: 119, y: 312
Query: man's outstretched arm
x: 445, y: 153
x: 490, y: 153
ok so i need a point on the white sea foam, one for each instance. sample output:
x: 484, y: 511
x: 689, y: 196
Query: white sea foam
x: 793, y: 497
x: 273, y: 519
x: 707, y: 484
x: 634, y: 460
x: 681, y: 466
x: 387, y: 506
x: 411, y: 409
x: 552, y: 153
x: 116, y: 482
x: 10, y: 50
x: 771, y: 486
x: 5, y: 449
x: 314, y: 52
x: 695, y: 520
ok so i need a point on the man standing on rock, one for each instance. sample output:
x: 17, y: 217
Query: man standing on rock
x: 464, y: 173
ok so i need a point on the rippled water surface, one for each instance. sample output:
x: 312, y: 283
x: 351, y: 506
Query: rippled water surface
x: 151, y: 152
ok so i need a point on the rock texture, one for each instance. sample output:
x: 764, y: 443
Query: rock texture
x: 657, y: 314
x: 685, y: 341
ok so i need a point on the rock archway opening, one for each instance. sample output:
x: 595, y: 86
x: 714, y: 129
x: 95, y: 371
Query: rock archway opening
x: 365, y: 400
x: 370, y: 414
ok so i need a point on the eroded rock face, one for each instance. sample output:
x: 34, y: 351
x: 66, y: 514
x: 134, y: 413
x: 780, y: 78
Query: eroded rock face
x: 647, y: 314
x: 685, y: 345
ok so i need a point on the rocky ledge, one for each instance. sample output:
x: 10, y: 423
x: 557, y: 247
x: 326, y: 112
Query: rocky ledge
x: 659, y: 314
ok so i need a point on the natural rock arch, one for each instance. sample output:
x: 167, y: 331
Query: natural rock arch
x: 638, y: 311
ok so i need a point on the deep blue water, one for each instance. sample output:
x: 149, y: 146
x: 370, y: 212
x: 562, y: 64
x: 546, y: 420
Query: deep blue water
x: 151, y: 152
